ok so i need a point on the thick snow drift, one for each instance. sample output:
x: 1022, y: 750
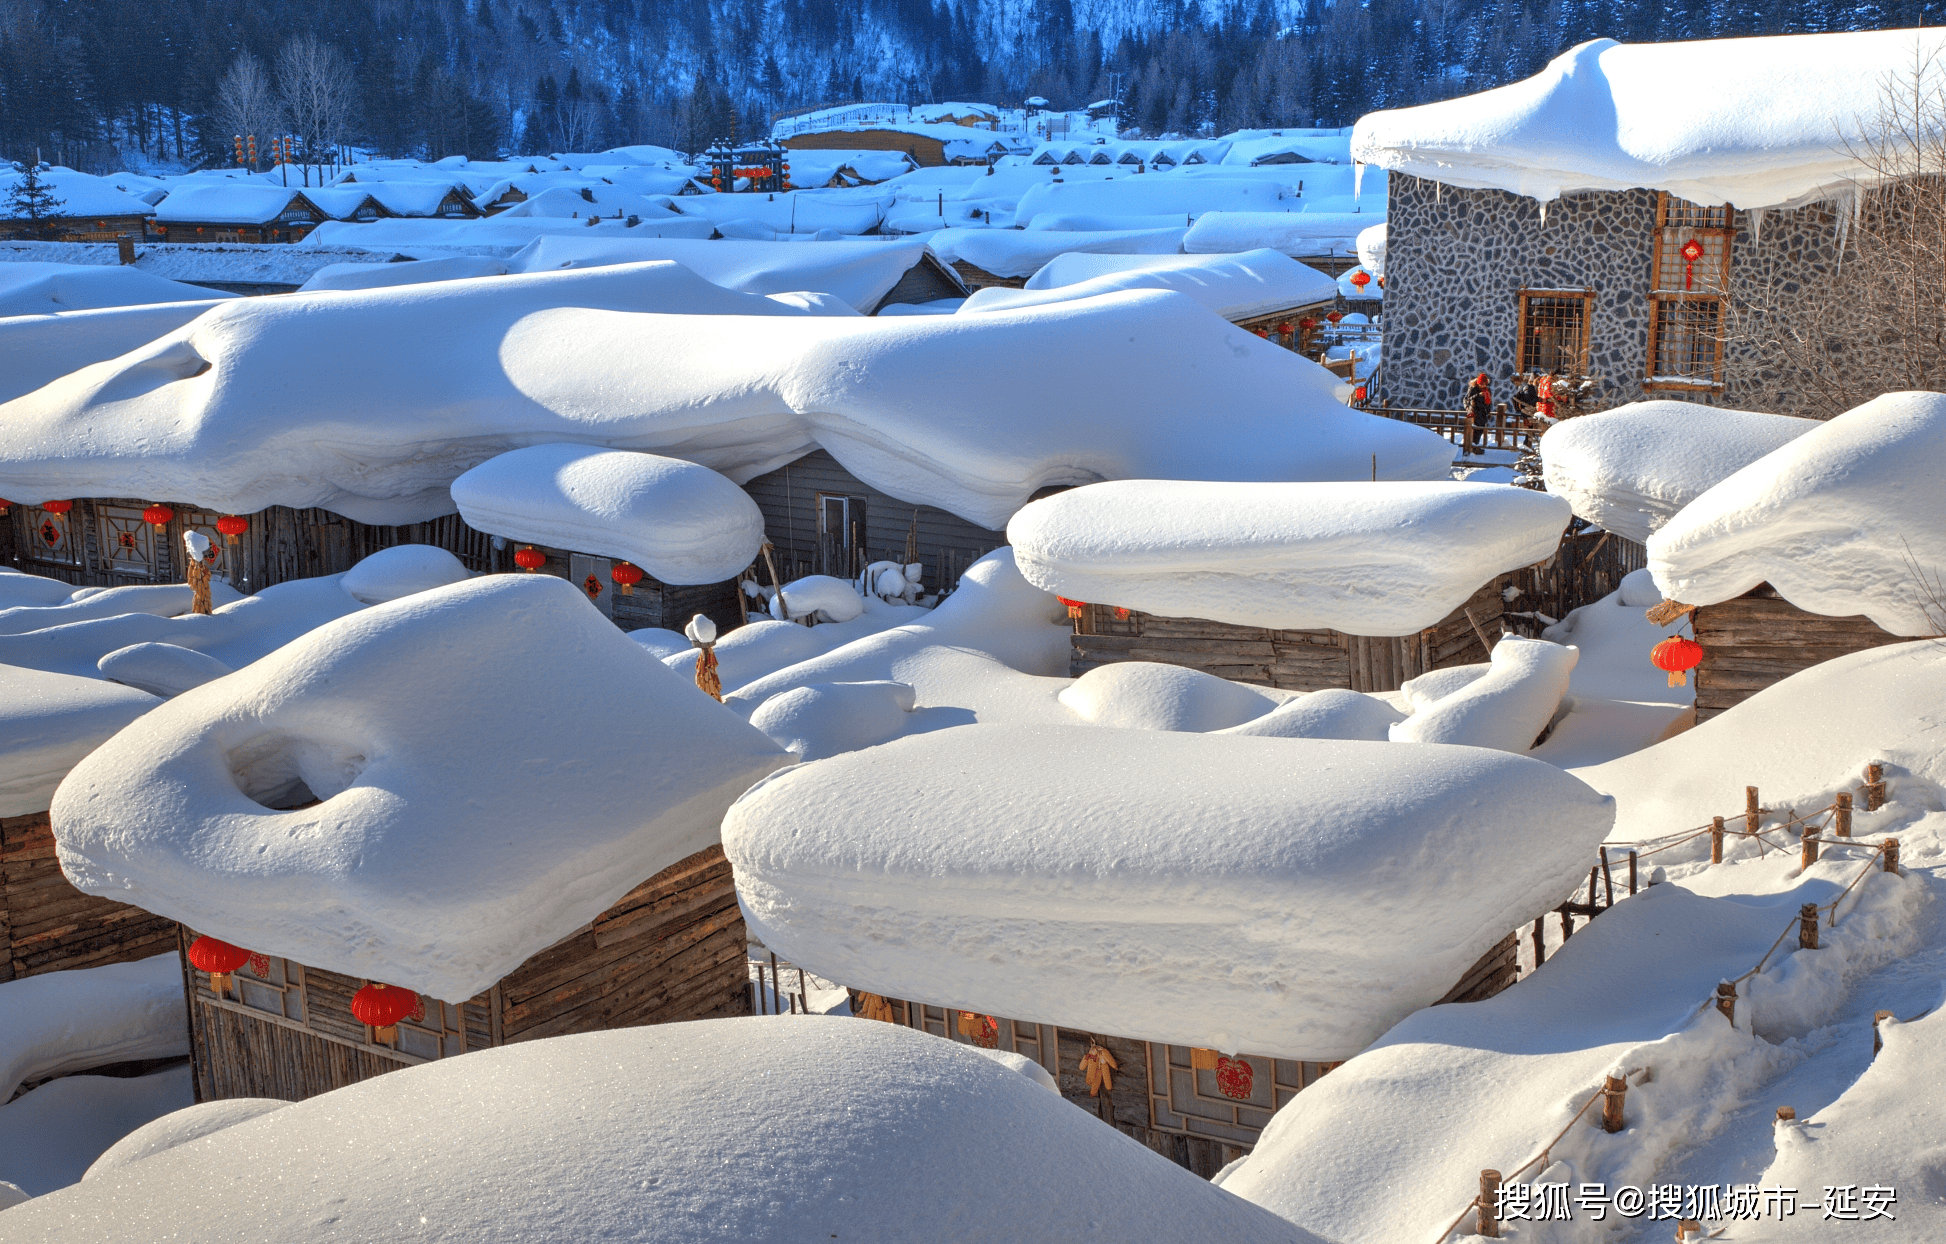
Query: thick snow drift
x: 1333, y: 713
x: 1846, y: 519
x: 402, y: 570
x: 58, y: 1022
x: 1629, y: 470
x: 1236, y: 287
x: 684, y: 1144
x: 449, y: 846
x: 1366, y: 559
x: 861, y: 273
x: 37, y: 349
x: 47, y: 288
x: 51, y: 1135
x: 160, y: 669
x: 1760, y: 122
x: 48, y: 722
x: 382, y: 275
x: 918, y: 407
x: 680, y: 522
x: 1506, y: 708
x: 1203, y: 890
x: 1023, y: 252
x: 179, y: 1128
x: 1298, y: 234
x: 1147, y: 695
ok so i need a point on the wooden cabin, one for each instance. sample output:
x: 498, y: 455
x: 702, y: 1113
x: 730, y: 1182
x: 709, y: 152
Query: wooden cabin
x: 928, y: 280
x: 672, y: 949
x: 230, y: 212
x: 46, y: 925
x: 1191, y: 1115
x: 975, y: 277
x: 1760, y: 638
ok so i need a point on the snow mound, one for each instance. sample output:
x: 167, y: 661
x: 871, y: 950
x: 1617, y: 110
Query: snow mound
x: 860, y: 273
x: 17, y: 588
x: 1366, y: 559
x: 160, y: 669
x: 1615, y: 638
x: 693, y: 1149
x: 1843, y: 520
x: 60, y: 1022
x: 50, y: 1136
x: 914, y: 406
x: 1435, y: 685
x: 48, y: 722
x: 420, y: 867
x: 825, y: 719
x: 1296, y: 234
x: 1090, y: 878
x: 1506, y: 708
x: 679, y: 522
x: 1146, y: 695
x: 162, y: 600
x: 832, y: 600
x: 1334, y: 713
x: 382, y: 275
x: 402, y: 570
x: 179, y: 1128
x: 1235, y: 287
x: 38, y: 349
x: 46, y: 288
x: 1023, y: 252
x: 1773, y: 121
x: 1629, y: 470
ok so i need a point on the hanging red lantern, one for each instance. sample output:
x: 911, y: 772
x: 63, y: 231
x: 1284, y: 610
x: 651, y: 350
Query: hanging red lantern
x: 1285, y: 329
x: 530, y: 559
x: 1334, y: 316
x: 232, y: 526
x: 1692, y: 250
x: 158, y: 515
x: 4, y: 504
x: 219, y: 959
x: 1074, y: 606
x: 1307, y: 323
x: 1358, y: 395
x: 626, y: 576
x: 1262, y: 332
x: 1361, y: 278
x: 1678, y: 655
x: 1234, y: 1078
x: 57, y: 507
x: 381, y: 1007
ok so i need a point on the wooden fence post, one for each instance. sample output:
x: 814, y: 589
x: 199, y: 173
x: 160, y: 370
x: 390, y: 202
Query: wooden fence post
x: 1614, y: 1095
x: 1716, y: 840
x: 1787, y: 1114
x: 1808, y: 847
x: 1607, y: 881
x: 1726, y: 1001
x: 1540, y: 942
x: 1752, y: 813
x: 1874, y: 786
x: 1807, y: 927
x: 1841, y: 815
x: 1631, y: 872
x: 1891, y: 849
x: 1488, y: 1220
x: 1878, y: 1040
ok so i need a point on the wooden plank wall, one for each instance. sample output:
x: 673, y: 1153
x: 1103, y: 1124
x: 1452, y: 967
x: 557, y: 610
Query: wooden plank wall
x: 1760, y: 638
x: 925, y: 281
x: 46, y: 925
x: 1289, y: 660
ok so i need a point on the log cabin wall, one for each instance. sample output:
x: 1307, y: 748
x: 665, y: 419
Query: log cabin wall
x: 671, y: 949
x: 1289, y: 660
x: 46, y: 925
x: 1760, y: 638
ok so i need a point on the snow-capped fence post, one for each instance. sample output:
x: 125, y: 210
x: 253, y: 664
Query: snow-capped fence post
x: 1716, y: 840
x: 1890, y: 849
x: 1488, y: 1223
x: 1614, y: 1096
x: 1878, y: 1038
x: 1726, y: 1001
x: 1874, y: 786
x: 1841, y: 815
x: 1808, y: 847
x: 1807, y: 925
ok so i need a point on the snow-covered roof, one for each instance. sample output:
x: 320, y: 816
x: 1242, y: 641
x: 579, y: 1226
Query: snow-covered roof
x: 1630, y: 469
x: 35, y: 349
x: 378, y: 275
x: 48, y: 722
x: 227, y: 204
x: 801, y: 212
x: 418, y: 198
x: 815, y: 167
x: 47, y: 288
x: 972, y: 414
x: 1090, y: 878
x: 82, y: 195
x: 496, y: 235
x: 1848, y: 518
x: 861, y: 273
x: 1236, y: 287
x: 446, y: 850
x: 686, y: 1133
x: 1363, y: 558
x: 1297, y: 234
x: 1023, y: 252
x: 581, y: 202
x: 1150, y: 195
x: 645, y: 153
x: 680, y: 522
x: 1758, y: 122
x: 345, y: 202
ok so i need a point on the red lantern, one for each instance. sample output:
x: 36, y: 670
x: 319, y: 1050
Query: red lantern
x: 4, y: 503
x: 232, y: 526
x: 219, y: 959
x: 530, y: 559
x: 57, y: 507
x: 1285, y: 329
x: 1307, y: 323
x: 1677, y: 655
x: 381, y: 1007
x: 1262, y: 332
x: 158, y: 515
x: 1358, y: 396
x: 1334, y: 316
x: 626, y: 576
x: 1361, y: 278
x: 1234, y: 1078
x: 1074, y: 606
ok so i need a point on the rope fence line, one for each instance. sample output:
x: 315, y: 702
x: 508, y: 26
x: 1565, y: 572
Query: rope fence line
x: 1813, y: 839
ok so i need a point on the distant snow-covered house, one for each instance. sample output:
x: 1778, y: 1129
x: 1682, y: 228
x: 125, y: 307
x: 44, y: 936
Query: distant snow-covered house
x: 232, y: 212
x: 91, y: 209
x: 1593, y: 220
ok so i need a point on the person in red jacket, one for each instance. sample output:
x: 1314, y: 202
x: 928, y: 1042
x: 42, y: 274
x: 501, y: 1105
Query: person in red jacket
x: 1478, y: 404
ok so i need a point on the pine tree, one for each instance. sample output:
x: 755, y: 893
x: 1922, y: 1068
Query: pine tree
x: 30, y: 198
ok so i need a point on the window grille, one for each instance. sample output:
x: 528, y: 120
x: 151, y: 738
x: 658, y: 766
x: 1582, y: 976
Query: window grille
x: 1686, y: 341
x: 1554, y: 331
x: 1690, y: 279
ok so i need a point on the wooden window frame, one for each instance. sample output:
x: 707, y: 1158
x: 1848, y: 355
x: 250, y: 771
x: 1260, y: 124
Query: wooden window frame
x: 1587, y: 300
x: 1676, y: 222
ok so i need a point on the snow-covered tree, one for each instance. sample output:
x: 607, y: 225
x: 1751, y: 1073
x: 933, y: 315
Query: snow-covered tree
x: 30, y: 198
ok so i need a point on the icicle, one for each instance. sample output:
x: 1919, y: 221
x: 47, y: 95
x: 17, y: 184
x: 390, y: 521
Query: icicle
x: 1543, y: 214
x: 1357, y: 179
x: 1756, y: 217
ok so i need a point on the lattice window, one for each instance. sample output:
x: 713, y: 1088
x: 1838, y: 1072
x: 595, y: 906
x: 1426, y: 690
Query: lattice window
x: 128, y: 544
x: 1692, y: 249
x: 220, y: 550
x: 1232, y: 1102
x: 1686, y: 341
x: 273, y: 986
x: 56, y: 538
x: 434, y: 1030
x: 1690, y: 279
x: 1554, y: 330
